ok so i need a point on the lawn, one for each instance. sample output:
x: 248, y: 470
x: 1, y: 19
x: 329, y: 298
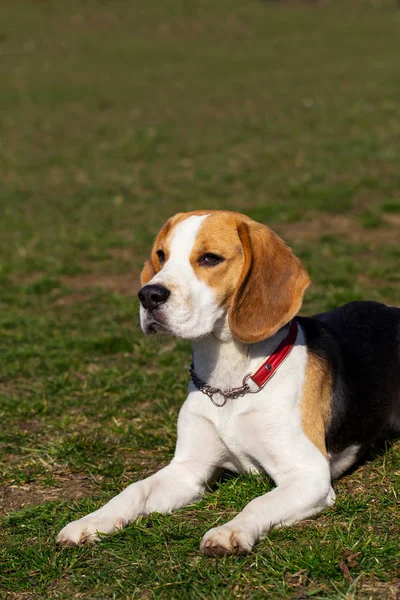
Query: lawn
x: 114, y: 116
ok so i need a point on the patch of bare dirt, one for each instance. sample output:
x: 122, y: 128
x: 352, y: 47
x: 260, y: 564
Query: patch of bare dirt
x: 71, y: 487
x: 24, y: 595
x: 31, y: 426
x: 125, y: 254
x: 378, y: 590
x: 121, y: 283
x: 7, y: 387
x: 74, y: 298
x: 344, y: 226
x: 393, y: 220
x: 28, y: 278
x: 96, y: 22
x: 126, y: 284
x: 17, y: 386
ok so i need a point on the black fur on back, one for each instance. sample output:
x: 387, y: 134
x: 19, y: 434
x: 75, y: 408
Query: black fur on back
x: 360, y: 342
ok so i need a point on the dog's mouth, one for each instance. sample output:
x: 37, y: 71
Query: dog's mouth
x: 155, y: 325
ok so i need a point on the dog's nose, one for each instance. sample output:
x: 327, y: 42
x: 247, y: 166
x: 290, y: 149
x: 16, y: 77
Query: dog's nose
x: 151, y: 296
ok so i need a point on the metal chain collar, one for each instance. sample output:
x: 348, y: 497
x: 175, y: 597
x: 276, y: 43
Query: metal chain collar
x: 259, y: 378
x: 210, y: 391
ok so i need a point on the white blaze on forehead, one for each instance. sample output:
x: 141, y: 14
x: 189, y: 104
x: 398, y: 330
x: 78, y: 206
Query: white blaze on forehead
x: 192, y: 309
x: 183, y: 239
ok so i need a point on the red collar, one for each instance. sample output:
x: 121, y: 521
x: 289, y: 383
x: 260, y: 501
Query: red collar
x: 275, y: 359
x: 259, y: 378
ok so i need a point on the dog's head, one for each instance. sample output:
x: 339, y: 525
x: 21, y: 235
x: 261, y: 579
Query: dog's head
x: 214, y: 268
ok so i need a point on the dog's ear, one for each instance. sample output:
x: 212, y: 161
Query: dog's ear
x: 152, y: 266
x: 271, y: 286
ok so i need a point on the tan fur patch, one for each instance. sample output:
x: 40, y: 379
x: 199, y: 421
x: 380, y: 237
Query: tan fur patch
x: 316, y: 400
x: 218, y: 235
x: 152, y: 266
x: 271, y: 287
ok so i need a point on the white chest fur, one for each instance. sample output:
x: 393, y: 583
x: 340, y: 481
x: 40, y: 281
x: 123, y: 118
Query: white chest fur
x: 259, y: 432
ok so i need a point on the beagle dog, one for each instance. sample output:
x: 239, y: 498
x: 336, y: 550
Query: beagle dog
x: 299, y: 398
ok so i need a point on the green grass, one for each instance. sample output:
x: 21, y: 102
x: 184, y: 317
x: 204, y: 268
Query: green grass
x: 113, y: 116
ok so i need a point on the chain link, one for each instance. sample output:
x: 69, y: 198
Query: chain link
x: 209, y: 391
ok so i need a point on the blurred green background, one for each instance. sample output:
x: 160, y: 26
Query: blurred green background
x: 114, y: 115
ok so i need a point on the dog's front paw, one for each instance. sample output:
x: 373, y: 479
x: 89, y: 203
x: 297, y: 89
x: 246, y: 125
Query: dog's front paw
x: 225, y: 540
x: 88, y: 529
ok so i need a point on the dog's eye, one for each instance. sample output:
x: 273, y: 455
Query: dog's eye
x: 210, y: 260
x: 161, y: 256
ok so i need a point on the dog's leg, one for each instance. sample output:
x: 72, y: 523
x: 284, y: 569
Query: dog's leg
x: 298, y: 495
x: 198, y: 453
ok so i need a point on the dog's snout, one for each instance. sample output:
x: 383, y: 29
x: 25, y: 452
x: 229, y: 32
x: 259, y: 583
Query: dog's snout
x: 151, y: 296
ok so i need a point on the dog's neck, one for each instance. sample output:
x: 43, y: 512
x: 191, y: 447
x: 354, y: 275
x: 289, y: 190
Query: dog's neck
x: 222, y: 361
